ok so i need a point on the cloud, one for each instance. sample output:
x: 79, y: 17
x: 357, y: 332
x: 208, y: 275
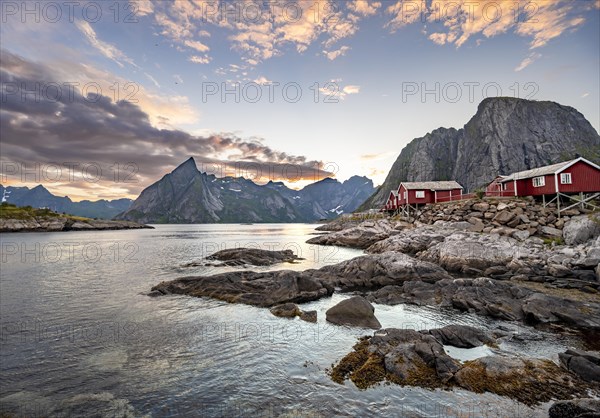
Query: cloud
x: 152, y: 79
x: 584, y: 95
x: 197, y: 45
x: 364, y: 7
x: 106, y: 49
x: 351, y: 89
x: 95, y: 129
x: 457, y: 21
x: 200, y: 60
x: 262, y: 80
x: 331, y: 55
x: 528, y: 61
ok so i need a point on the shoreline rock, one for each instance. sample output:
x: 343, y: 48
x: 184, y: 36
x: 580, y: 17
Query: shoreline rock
x: 64, y: 224
x: 417, y: 358
x: 247, y: 256
x: 355, y: 311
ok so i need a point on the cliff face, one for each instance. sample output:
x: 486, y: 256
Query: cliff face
x: 505, y: 135
x: 189, y: 196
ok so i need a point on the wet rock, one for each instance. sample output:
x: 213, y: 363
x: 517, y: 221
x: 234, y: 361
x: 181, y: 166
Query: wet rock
x: 253, y: 256
x: 530, y: 381
x: 355, y: 311
x: 576, y: 408
x: 260, y: 289
x: 309, y: 316
x: 462, y: 336
x: 583, y: 363
x: 580, y: 229
x: 287, y: 310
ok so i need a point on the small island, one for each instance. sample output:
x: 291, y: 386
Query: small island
x: 28, y: 219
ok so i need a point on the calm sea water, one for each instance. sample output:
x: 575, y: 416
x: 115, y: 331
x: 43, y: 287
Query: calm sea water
x: 79, y: 337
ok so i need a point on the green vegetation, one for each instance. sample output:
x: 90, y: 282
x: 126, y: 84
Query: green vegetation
x: 554, y: 241
x: 480, y: 193
x: 10, y: 211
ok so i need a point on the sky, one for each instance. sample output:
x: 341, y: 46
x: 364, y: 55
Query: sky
x: 101, y: 99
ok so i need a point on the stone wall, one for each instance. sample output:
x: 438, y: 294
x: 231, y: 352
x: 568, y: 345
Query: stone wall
x: 517, y: 218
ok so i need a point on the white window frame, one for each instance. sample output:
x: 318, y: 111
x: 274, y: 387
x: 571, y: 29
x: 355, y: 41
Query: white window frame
x: 566, y: 178
x: 420, y: 194
x: 405, y: 195
x: 539, y: 181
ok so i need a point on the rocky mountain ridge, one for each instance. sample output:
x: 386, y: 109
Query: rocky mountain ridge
x: 187, y: 195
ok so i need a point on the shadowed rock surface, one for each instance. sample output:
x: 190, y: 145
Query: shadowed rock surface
x: 577, y: 408
x: 584, y: 364
x: 355, y: 311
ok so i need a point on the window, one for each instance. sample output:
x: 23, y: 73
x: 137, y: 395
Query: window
x: 405, y: 195
x: 539, y: 181
x: 504, y: 186
x: 420, y: 194
x: 565, y: 178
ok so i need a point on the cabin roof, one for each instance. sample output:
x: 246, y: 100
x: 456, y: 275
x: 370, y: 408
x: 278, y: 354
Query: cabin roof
x: 431, y: 185
x: 546, y: 170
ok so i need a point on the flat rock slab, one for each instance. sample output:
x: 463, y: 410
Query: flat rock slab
x: 251, y: 288
x: 253, y: 256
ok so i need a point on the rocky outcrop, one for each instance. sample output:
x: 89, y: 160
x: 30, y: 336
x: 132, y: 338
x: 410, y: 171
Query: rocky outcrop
x: 62, y: 223
x: 577, y: 408
x: 581, y: 229
x: 496, y: 299
x: 506, y: 135
x: 355, y: 311
x: 452, y: 246
x: 462, y: 336
x: 276, y: 287
x: 409, y: 357
x: 360, y: 236
x: 260, y: 289
x: 582, y: 363
x: 253, y: 256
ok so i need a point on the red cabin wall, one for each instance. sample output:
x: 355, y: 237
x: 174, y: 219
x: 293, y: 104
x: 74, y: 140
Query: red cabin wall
x: 585, y: 178
x: 525, y: 187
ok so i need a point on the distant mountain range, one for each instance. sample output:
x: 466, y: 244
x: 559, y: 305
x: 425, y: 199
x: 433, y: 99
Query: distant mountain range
x: 188, y: 196
x: 506, y: 135
x: 40, y: 197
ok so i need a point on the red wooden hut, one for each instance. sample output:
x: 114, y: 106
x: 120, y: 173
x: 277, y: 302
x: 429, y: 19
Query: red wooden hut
x: 422, y: 192
x: 578, y: 176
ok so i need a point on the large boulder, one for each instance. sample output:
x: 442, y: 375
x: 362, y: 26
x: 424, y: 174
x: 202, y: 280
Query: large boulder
x: 584, y: 364
x: 355, y: 311
x: 580, y: 229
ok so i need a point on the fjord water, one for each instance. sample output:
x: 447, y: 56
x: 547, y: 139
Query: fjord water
x: 81, y: 338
